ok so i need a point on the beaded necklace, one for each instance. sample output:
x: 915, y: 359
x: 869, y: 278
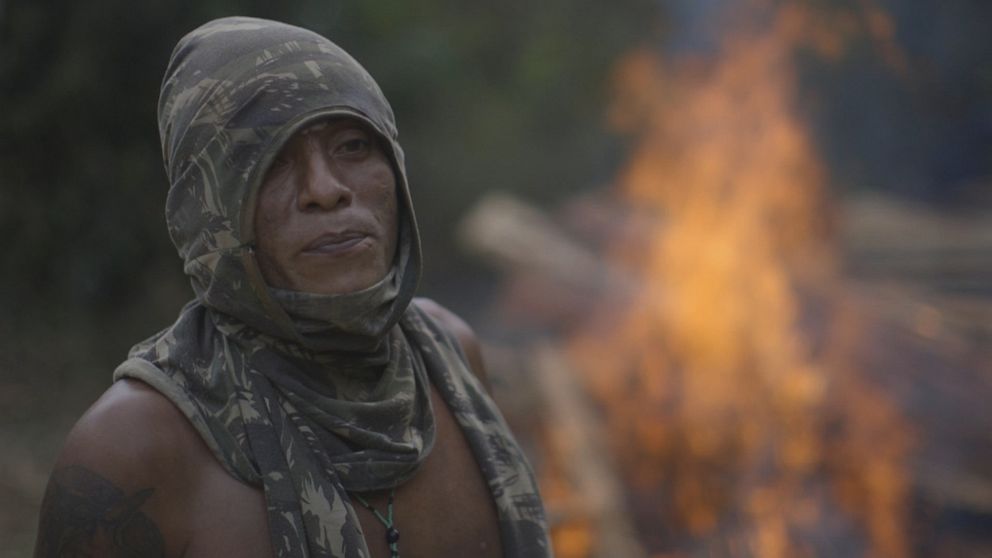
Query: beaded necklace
x: 392, y: 534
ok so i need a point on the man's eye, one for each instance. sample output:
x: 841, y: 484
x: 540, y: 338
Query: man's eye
x: 354, y: 146
x: 278, y: 164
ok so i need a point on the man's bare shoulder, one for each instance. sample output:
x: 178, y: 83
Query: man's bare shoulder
x: 123, y: 469
x: 135, y: 479
x: 462, y: 331
x: 134, y: 429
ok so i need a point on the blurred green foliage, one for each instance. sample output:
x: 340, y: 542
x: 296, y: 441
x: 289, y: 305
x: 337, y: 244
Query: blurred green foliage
x: 505, y: 95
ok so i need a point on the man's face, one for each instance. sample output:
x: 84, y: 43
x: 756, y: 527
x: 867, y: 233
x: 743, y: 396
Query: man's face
x: 326, y: 220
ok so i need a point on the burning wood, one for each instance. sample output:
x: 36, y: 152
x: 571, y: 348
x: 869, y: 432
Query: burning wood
x: 576, y: 432
x: 876, y: 337
x: 739, y: 378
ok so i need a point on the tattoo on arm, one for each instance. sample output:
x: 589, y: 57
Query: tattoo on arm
x: 84, y: 514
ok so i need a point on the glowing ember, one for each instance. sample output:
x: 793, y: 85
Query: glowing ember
x: 736, y: 416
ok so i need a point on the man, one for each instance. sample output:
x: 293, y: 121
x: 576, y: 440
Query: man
x: 301, y: 405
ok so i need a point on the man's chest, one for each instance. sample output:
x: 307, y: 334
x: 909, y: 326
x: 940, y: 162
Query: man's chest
x: 446, y: 509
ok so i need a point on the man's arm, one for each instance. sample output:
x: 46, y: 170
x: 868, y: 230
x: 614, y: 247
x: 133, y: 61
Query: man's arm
x: 463, y: 332
x: 111, y: 493
x: 85, y: 514
x: 135, y: 479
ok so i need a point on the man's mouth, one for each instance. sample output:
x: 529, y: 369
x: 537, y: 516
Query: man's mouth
x: 334, y: 244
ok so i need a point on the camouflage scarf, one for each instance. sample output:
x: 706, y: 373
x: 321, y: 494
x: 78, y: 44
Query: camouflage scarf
x: 307, y: 396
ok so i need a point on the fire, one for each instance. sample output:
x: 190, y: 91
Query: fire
x: 728, y: 382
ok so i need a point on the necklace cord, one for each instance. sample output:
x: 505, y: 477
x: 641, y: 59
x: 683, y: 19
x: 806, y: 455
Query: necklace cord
x: 392, y: 533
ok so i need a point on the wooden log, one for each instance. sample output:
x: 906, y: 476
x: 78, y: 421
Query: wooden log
x: 579, y: 439
x: 514, y: 235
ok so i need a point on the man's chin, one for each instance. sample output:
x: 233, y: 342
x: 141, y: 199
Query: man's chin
x: 339, y: 285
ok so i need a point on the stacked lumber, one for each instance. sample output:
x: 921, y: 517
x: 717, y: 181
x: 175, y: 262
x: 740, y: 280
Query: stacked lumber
x: 926, y: 276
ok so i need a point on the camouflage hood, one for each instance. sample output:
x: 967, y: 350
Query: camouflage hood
x: 234, y: 93
x: 308, y: 397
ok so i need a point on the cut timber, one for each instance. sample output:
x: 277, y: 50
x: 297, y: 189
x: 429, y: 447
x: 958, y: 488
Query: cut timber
x: 577, y: 437
x: 885, y: 237
x: 512, y: 234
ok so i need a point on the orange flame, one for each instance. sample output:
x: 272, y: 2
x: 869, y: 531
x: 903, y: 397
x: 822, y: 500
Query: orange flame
x: 751, y: 430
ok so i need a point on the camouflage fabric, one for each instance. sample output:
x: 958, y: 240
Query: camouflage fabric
x: 307, y: 396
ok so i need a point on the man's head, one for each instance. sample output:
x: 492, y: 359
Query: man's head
x: 326, y: 220
x: 287, y: 183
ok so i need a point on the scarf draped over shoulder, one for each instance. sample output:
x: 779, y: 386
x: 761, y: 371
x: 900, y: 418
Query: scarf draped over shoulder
x: 306, y: 396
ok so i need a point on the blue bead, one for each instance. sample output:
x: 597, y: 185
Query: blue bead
x: 392, y: 535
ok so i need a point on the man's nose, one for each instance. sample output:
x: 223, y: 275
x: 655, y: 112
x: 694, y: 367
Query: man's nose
x: 322, y: 188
